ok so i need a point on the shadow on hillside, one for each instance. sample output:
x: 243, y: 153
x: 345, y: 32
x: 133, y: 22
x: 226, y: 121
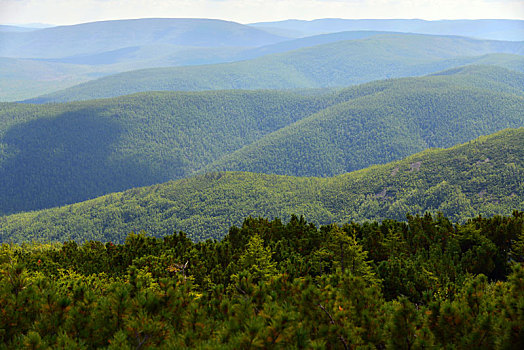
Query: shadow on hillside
x: 65, y: 159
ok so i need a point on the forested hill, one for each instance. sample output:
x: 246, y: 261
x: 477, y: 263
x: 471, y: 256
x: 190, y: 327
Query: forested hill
x: 139, y: 140
x: 58, y: 154
x: 401, y: 117
x: 336, y: 64
x: 484, y: 176
x: 65, y: 153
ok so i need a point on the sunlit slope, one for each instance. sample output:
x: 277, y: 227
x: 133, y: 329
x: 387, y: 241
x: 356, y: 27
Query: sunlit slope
x: 483, y: 176
x: 336, y: 64
x: 401, y: 117
x: 57, y: 154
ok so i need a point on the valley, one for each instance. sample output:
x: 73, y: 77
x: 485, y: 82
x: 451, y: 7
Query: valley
x: 255, y: 182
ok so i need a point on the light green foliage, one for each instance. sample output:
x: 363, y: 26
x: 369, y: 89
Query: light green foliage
x: 260, y: 288
x: 456, y: 181
x: 385, y: 121
x: 257, y: 259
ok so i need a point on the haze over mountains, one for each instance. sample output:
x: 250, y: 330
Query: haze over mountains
x: 64, y: 56
x: 197, y: 183
x: 486, y: 29
x: 98, y: 37
x: 336, y: 64
x: 352, y: 99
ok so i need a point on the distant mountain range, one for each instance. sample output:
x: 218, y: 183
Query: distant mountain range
x: 483, y: 176
x: 334, y: 64
x: 495, y: 29
x: 63, y: 56
x: 98, y: 37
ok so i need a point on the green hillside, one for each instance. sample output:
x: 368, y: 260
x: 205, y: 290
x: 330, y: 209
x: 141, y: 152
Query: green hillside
x: 309, y: 41
x: 63, y: 153
x: 336, y: 64
x: 400, y: 118
x: 57, y: 154
x: 484, y: 176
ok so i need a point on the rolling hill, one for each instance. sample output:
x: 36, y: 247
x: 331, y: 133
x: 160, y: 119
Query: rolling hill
x: 400, y: 118
x: 23, y: 78
x: 56, y: 154
x: 483, y: 176
x: 63, y: 153
x: 60, y: 57
x: 26, y: 78
x: 336, y: 64
x: 96, y: 37
x: 494, y: 29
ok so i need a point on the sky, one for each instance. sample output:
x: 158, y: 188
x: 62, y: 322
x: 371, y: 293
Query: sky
x: 63, y: 12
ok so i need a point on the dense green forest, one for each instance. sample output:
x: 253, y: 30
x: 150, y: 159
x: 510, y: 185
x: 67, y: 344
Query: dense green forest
x: 337, y: 64
x: 262, y: 189
x: 424, y: 283
x: 57, y: 154
x: 402, y: 117
x: 484, y: 176
x: 66, y: 153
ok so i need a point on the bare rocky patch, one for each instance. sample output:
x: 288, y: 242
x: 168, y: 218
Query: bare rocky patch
x: 415, y: 166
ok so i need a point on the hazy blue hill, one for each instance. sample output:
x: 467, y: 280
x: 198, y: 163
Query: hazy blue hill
x: 153, y: 55
x: 489, y: 76
x: 22, y: 79
x: 56, y: 154
x: 8, y: 28
x: 483, y: 176
x: 400, y: 118
x: 508, y: 61
x: 290, y: 45
x: 96, y: 37
x: 91, y: 50
x: 341, y: 63
x: 485, y: 28
x: 106, y: 48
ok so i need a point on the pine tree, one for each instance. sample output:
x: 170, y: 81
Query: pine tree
x: 257, y: 259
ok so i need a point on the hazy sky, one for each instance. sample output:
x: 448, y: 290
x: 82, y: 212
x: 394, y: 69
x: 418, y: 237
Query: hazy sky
x: 246, y: 11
